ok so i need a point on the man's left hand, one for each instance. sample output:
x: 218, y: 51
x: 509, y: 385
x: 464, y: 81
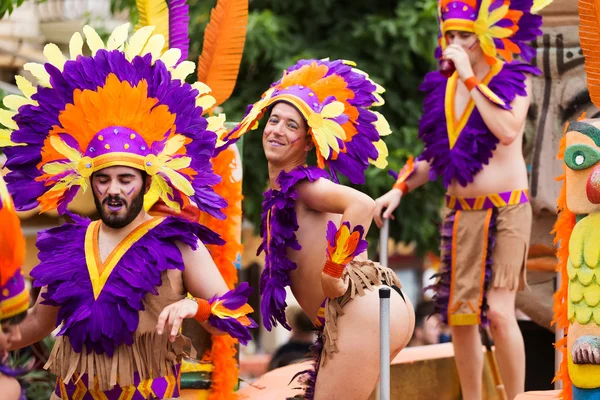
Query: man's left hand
x: 172, y: 316
x: 461, y: 61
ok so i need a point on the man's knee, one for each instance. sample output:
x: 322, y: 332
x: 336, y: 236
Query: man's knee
x: 501, y: 318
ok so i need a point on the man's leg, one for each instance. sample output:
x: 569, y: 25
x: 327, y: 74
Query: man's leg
x: 469, y: 360
x: 351, y: 374
x: 510, y: 350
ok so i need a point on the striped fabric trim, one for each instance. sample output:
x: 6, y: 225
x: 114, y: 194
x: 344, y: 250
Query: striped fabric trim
x: 496, y: 200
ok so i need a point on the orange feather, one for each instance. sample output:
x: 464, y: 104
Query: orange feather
x: 589, y: 34
x: 224, y: 38
x: 11, y: 238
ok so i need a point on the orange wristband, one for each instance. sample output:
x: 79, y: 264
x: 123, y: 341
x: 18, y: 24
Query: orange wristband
x: 204, y: 310
x: 402, y: 186
x: 472, y: 83
x: 333, y: 269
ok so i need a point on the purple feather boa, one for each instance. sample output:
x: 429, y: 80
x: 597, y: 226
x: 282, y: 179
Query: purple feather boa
x: 309, y: 376
x: 441, y: 298
x: 475, y: 145
x: 103, y: 324
x: 233, y: 300
x: 283, y: 226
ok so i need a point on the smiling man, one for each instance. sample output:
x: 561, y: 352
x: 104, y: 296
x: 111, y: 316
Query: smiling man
x: 313, y: 229
x: 117, y: 286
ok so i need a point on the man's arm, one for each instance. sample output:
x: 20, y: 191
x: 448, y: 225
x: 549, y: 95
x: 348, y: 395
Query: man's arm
x: 39, y: 323
x: 391, y: 200
x: 201, y: 279
x: 325, y: 196
x: 506, y: 125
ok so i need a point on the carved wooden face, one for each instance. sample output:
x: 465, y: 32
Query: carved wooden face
x: 582, y: 160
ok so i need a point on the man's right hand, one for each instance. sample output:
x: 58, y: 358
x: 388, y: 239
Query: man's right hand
x: 390, y: 202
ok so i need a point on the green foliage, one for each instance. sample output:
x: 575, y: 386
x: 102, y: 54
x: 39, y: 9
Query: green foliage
x: 38, y: 383
x: 393, y: 41
x: 8, y: 6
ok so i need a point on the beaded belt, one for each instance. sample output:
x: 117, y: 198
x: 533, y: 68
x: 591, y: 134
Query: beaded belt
x: 496, y: 200
x: 164, y: 387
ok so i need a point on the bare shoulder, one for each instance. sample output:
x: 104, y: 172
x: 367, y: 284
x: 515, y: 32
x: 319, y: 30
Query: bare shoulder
x: 11, y: 390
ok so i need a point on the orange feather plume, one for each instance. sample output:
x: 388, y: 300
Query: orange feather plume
x: 224, y: 38
x: 589, y: 34
x: 562, y: 230
x: 12, y: 243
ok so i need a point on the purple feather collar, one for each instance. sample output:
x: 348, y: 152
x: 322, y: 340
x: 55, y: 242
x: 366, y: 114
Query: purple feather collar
x: 278, y: 231
x: 475, y: 145
x: 110, y: 320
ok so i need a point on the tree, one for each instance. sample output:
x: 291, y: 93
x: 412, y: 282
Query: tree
x: 393, y: 41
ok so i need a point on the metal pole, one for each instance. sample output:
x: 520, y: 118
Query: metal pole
x: 384, y: 340
x: 384, y: 235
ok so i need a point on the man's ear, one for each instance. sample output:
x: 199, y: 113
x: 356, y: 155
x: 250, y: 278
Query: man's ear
x: 147, y: 183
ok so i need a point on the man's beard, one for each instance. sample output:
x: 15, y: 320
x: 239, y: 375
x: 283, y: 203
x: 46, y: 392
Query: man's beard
x: 116, y: 221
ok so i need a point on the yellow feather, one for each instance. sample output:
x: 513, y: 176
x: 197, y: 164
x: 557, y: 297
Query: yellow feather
x: 333, y: 109
x: 54, y: 55
x: 170, y: 57
x: 205, y: 101
x: 539, y: 5
x: 183, y: 70
x: 178, y: 163
x: 6, y: 119
x: 5, y: 140
x: 25, y: 86
x: 179, y: 181
x: 201, y: 87
x: 94, y: 41
x: 382, y: 150
x: 172, y: 146
x: 75, y: 45
x: 118, y: 37
x: 154, y: 13
x: 38, y: 71
x: 154, y: 46
x: 382, y: 125
x: 223, y: 45
x: 70, y: 153
x: 14, y: 102
x: 137, y: 41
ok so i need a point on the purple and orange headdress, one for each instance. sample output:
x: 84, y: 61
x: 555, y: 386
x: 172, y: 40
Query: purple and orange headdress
x: 503, y: 27
x: 126, y: 104
x: 14, y: 296
x: 335, y: 99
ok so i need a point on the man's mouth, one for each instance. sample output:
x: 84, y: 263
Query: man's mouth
x: 114, y: 205
x: 275, y: 143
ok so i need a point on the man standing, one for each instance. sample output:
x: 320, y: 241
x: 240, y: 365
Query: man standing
x: 123, y: 123
x: 472, y: 127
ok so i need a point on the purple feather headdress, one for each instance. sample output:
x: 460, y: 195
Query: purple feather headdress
x: 127, y: 104
x: 335, y: 100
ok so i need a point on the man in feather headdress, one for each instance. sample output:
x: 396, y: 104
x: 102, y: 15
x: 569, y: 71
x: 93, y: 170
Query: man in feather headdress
x: 14, y: 296
x: 474, y: 116
x: 123, y: 122
x: 313, y: 229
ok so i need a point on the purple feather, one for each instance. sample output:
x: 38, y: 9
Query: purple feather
x: 475, y: 145
x: 276, y: 275
x: 179, y: 19
x: 110, y: 320
x: 309, y: 376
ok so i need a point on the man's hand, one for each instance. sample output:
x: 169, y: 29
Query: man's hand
x: 333, y: 287
x: 461, y: 61
x: 390, y: 202
x: 173, y: 315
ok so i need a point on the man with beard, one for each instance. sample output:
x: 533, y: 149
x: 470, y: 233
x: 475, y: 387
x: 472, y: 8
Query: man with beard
x: 117, y: 286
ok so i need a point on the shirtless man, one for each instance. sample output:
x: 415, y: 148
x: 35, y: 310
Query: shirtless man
x: 117, y: 286
x: 307, y: 220
x: 472, y: 127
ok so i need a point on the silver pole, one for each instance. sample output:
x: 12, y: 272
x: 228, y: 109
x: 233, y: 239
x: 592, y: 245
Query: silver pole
x: 384, y: 235
x: 559, y: 333
x: 384, y: 346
